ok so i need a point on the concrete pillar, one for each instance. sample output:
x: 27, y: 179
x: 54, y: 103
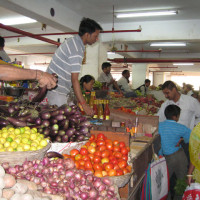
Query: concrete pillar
x: 158, y: 78
x: 138, y: 74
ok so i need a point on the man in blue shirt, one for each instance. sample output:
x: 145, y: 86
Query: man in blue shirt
x: 170, y: 132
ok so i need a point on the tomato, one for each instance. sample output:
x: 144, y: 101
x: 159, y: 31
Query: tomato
x: 125, y: 170
x: 101, y: 136
x: 124, y: 151
x: 92, y: 137
x: 125, y: 157
x: 74, y: 152
x: 102, y: 148
x: 128, y: 148
x: 91, y: 156
x: 104, y: 160
x: 116, y: 148
x: 105, y: 153
x: 97, y: 159
x: 100, y: 142
x: 122, y: 164
x: 82, y: 162
x: 114, y: 161
x: 109, y: 166
x: 104, y: 173
x: 97, y: 153
x: 109, y: 146
x: 98, y: 173
x: 87, y: 144
x: 97, y: 166
x: 88, y: 164
x: 116, y: 142
x: 78, y: 156
x: 77, y: 164
x: 66, y: 156
x: 91, y: 149
x: 112, y: 172
x: 121, y: 144
x: 94, y: 144
x: 116, y: 167
x: 119, y: 172
x: 118, y: 154
x: 108, y: 141
x: 85, y: 157
x: 83, y: 151
x: 129, y: 168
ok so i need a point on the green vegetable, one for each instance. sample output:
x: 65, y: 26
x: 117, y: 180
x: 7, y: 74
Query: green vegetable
x: 180, y: 186
x: 97, y: 84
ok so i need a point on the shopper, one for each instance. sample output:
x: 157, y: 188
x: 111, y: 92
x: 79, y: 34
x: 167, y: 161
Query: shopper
x: 11, y: 73
x: 144, y: 88
x: 188, y: 90
x: 3, y: 55
x: 123, y: 83
x: 106, y: 77
x: 170, y: 132
x: 190, y: 109
x: 67, y: 61
x: 86, y: 83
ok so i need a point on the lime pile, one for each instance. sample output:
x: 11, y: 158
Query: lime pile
x: 21, y: 139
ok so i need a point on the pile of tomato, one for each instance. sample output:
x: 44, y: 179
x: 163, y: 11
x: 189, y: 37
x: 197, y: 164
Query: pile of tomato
x: 127, y: 110
x: 102, y: 156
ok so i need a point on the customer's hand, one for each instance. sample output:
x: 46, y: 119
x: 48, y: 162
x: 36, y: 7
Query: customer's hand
x: 89, y: 111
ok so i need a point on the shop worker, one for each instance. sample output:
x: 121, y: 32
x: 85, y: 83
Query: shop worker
x: 11, y: 73
x: 86, y: 83
x: 123, y: 83
x: 190, y: 109
x: 67, y: 62
x: 144, y: 88
x: 3, y: 55
x: 170, y: 132
x: 106, y: 77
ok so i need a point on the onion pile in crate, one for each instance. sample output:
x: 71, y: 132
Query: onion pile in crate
x: 62, y: 178
x: 60, y: 124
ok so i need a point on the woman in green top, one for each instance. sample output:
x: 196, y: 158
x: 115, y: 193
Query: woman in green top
x: 86, y: 83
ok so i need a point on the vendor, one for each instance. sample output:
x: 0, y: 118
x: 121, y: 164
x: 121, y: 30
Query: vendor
x: 145, y: 87
x: 86, y: 83
x: 11, y: 73
x: 106, y: 77
x: 67, y: 62
x: 3, y: 55
x: 123, y: 83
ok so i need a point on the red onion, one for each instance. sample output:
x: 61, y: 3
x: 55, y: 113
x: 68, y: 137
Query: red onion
x: 44, y: 184
x: 36, y: 180
x: 28, y: 177
x: 103, y: 193
x: 69, y: 163
x: 93, y: 193
x: 107, y: 181
x: 12, y: 170
x: 77, y: 176
x: 71, y: 185
x: 5, y: 165
x: 101, y: 187
x: 84, y: 195
x: 97, y: 183
x: 112, y: 188
x: 90, y: 178
x: 37, y: 162
x: 69, y: 173
x: 99, y: 198
x: 54, y: 184
x: 110, y: 193
x: 45, y: 161
x: 45, y: 171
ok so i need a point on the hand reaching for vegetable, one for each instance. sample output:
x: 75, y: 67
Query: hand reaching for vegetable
x: 46, y: 79
x: 88, y: 110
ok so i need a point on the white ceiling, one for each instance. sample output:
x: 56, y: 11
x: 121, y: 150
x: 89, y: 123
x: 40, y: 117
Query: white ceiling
x: 184, y: 26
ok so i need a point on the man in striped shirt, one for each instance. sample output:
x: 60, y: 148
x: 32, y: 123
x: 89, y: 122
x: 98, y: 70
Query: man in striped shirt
x: 67, y: 62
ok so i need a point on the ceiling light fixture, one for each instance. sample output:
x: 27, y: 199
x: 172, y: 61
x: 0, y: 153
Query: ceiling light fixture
x: 17, y: 21
x: 183, y: 63
x: 168, y: 44
x: 147, y: 13
x: 110, y: 53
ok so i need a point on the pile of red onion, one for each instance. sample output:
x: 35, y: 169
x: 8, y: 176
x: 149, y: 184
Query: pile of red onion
x: 60, y: 177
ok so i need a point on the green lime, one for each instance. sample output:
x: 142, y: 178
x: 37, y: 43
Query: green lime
x: 9, y: 139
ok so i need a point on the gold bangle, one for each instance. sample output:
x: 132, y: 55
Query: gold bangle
x: 189, y: 175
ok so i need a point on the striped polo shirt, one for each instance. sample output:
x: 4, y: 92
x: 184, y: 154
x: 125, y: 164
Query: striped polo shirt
x: 170, y: 132
x: 66, y: 60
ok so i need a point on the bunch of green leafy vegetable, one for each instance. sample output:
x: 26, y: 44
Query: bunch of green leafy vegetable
x: 97, y: 84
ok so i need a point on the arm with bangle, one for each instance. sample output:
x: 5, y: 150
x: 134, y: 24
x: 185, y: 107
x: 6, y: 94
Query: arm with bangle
x: 189, y: 175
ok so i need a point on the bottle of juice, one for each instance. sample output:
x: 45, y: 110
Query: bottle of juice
x: 106, y: 114
x: 95, y: 109
x: 100, y: 110
x: 92, y: 98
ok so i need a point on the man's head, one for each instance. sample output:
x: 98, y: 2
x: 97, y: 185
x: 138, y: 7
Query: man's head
x: 170, y: 91
x: 106, y: 67
x: 126, y: 74
x: 147, y: 82
x: 172, y: 112
x: 89, y: 31
x: 2, y: 42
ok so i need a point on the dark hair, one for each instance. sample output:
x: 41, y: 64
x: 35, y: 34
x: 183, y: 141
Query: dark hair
x: 147, y: 81
x: 86, y: 79
x: 88, y: 26
x: 105, y: 65
x: 125, y: 71
x: 2, y: 42
x: 169, y: 85
x: 172, y: 110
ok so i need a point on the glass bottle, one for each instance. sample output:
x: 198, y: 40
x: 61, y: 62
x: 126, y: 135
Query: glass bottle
x: 106, y: 114
x: 95, y: 109
x: 92, y: 98
x: 100, y: 110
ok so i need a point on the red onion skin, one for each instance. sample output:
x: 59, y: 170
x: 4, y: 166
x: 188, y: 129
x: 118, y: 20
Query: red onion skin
x: 107, y: 181
x: 45, y: 161
x: 84, y: 195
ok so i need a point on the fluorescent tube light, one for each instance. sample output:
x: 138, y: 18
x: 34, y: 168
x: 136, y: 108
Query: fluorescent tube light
x: 17, y: 20
x: 183, y: 63
x: 167, y: 44
x: 110, y: 53
x: 147, y: 14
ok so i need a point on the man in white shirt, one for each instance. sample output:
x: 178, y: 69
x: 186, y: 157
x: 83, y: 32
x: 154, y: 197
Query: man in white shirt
x: 123, y: 83
x: 143, y: 89
x: 3, y: 55
x: 190, y: 109
x: 106, y: 77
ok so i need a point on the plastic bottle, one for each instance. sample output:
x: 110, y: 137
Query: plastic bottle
x: 92, y: 98
x: 106, y: 114
x: 95, y: 109
x: 100, y: 110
